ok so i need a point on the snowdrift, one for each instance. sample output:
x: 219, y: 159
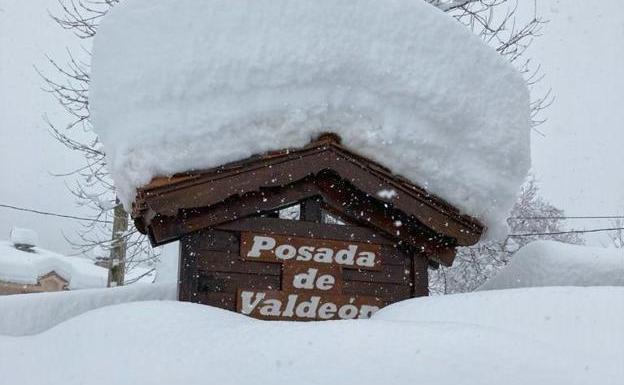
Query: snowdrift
x: 464, y: 339
x: 549, y: 263
x: 186, y: 85
x: 27, y: 314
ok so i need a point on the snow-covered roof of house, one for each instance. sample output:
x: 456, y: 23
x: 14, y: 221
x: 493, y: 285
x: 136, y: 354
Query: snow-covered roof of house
x: 189, y: 85
x: 549, y: 263
x: 25, y: 267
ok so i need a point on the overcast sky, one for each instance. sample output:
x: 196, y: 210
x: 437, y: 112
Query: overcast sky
x: 578, y: 162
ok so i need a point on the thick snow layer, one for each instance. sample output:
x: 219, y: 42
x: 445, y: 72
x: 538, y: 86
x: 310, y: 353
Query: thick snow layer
x: 25, y: 267
x: 190, y: 84
x: 481, y: 338
x: 21, y: 236
x: 549, y: 263
x: 27, y: 314
x: 586, y: 322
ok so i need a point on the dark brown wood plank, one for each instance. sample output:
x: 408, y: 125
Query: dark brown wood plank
x: 420, y: 276
x: 389, y: 274
x: 222, y: 300
x: 307, y: 229
x: 229, y: 262
x: 387, y: 292
x: 217, y: 282
x: 311, y: 210
x: 214, y: 261
x: 216, y: 240
x: 188, y: 269
x: 251, y: 204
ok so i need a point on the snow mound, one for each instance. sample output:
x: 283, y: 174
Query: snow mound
x: 186, y: 85
x: 566, y: 317
x: 27, y: 314
x: 21, y: 236
x: 27, y: 267
x: 182, y: 343
x: 549, y: 263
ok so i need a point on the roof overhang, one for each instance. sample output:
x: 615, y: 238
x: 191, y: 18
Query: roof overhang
x: 167, y: 208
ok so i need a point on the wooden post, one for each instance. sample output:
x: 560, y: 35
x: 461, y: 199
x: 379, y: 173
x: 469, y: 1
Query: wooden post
x: 117, y: 260
x: 420, y: 275
x: 311, y: 210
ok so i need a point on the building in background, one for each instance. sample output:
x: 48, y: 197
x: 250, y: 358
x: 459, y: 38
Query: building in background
x: 26, y: 268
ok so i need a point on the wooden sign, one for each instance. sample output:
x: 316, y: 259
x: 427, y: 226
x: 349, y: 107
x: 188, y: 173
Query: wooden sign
x: 312, y: 278
x: 280, y: 248
x: 301, y: 306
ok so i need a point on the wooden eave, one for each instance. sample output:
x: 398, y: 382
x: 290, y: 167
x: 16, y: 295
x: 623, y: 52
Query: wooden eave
x: 187, y: 192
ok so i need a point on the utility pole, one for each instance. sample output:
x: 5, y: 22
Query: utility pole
x: 117, y: 260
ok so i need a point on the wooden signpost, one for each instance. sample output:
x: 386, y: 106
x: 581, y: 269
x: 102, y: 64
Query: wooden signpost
x: 237, y: 252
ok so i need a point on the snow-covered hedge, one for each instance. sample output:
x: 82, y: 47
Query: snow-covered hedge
x: 187, y: 84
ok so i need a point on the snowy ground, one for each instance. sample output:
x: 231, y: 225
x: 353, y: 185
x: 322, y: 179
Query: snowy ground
x: 525, y: 336
x: 26, y: 314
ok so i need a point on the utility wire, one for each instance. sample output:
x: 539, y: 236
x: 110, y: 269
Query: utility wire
x: 567, y: 232
x: 511, y: 235
x: 565, y: 217
x: 53, y: 214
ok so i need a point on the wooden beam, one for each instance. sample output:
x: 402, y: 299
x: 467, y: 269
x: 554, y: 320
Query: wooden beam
x: 311, y: 210
x: 280, y: 170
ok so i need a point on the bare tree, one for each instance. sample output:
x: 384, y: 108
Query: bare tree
x: 498, y: 23
x: 93, y: 187
x: 617, y: 236
x: 495, y: 21
x: 474, y: 265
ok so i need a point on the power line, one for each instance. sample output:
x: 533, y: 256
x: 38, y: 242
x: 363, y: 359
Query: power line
x: 54, y: 214
x: 511, y: 235
x: 568, y: 232
x: 566, y: 217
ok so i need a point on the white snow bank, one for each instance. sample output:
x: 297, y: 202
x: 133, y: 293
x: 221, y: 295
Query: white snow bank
x: 25, y: 267
x: 181, y: 343
x: 583, y: 321
x: 189, y: 84
x: 549, y: 263
x: 26, y: 314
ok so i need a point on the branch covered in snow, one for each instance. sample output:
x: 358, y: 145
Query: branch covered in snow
x: 449, y: 5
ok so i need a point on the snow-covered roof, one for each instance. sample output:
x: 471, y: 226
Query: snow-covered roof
x: 549, y: 263
x: 27, y: 267
x: 188, y: 85
x: 551, y: 336
x: 22, y: 236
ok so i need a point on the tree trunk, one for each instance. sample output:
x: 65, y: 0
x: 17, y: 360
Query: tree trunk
x: 117, y: 264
